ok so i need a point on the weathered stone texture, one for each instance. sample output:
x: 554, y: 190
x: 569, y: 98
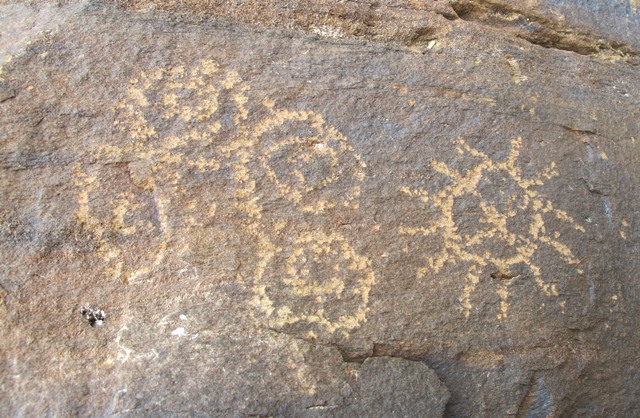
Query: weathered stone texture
x: 320, y: 209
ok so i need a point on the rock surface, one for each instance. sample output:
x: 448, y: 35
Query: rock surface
x: 320, y: 208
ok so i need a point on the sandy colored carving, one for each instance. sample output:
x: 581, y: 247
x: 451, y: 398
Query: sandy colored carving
x: 464, y: 241
x: 309, y: 164
x: 324, y: 272
x: 157, y: 158
x: 182, y: 119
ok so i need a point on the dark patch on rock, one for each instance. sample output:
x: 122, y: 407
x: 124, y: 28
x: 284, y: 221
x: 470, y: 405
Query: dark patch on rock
x: 95, y: 317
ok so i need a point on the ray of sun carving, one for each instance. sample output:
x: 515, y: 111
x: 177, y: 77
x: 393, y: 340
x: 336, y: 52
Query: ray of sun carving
x: 468, y: 222
x: 188, y: 120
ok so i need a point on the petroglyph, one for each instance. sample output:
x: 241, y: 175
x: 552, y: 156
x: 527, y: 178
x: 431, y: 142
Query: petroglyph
x: 166, y: 139
x: 324, y: 282
x: 286, y: 164
x: 303, y: 168
x: 308, y: 164
x: 513, y: 225
x: 112, y: 218
x: 184, y: 119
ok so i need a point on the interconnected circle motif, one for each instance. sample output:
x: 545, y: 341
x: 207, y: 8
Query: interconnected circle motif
x: 182, y: 119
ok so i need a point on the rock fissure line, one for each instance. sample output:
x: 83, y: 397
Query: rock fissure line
x: 543, y: 31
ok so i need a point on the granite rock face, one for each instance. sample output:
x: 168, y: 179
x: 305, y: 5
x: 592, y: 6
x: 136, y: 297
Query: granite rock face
x: 320, y: 208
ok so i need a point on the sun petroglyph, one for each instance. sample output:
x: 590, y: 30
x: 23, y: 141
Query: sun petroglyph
x: 186, y: 119
x: 514, y: 224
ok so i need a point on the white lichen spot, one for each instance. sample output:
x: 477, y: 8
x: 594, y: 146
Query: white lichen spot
x: 327, y: 31
x: 179, y: 332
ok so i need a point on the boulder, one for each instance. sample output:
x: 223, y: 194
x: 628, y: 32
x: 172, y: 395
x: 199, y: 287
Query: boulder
x: 324, y: 208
